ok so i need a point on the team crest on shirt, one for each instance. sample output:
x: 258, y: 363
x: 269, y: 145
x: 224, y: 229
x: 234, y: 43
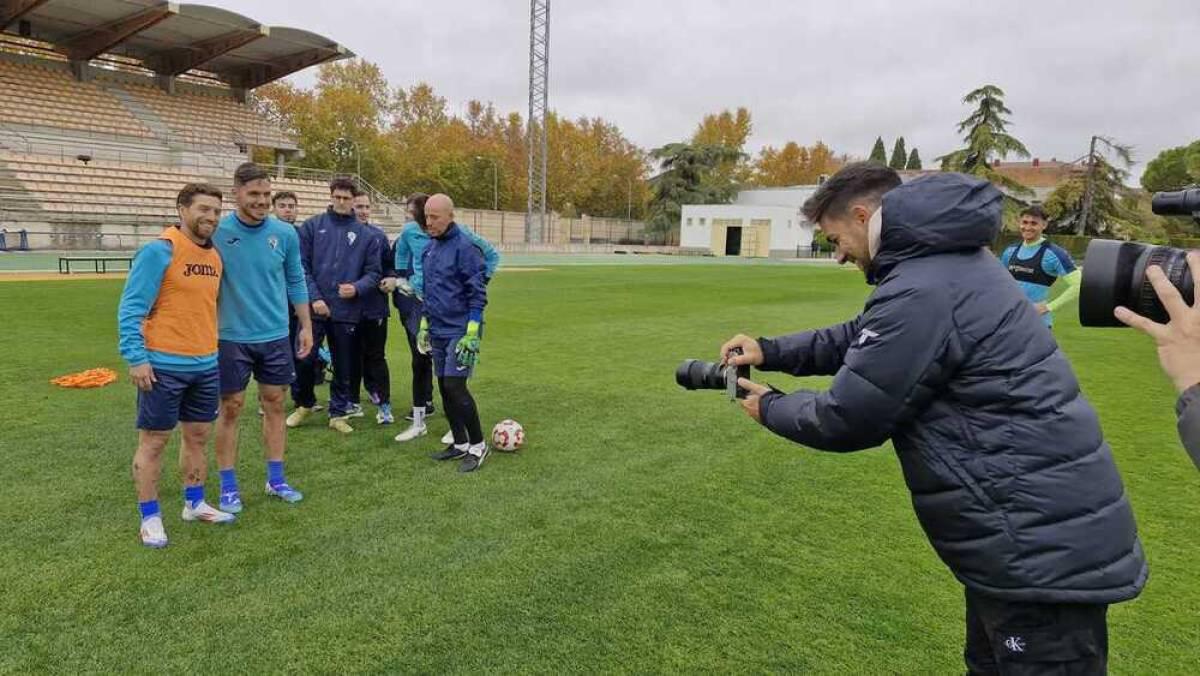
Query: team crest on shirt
x: 351, y: 236
x: 273, y: 242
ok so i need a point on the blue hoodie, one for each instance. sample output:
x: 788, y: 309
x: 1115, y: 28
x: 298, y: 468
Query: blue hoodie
x: 410, y: 246
x: 1010, y: 475
x: 375, y: 302
x: 337, y: 249
x: 455, y: 290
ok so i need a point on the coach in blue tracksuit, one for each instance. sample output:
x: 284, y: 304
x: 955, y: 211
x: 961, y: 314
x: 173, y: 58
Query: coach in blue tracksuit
x: 455, y: 295
x: 409, y: 298
x: 341, y: 264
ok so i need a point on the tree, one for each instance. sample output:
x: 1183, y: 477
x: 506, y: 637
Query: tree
x: 687, y: 177
x: 793, y: 164
x: 730, y: 129
x: 899, y: 155
x: 351, y: 100
x: 914, y: 161
x: 1097, y: 201
x: 1173, y: 169
x: 985, y: 134
x: 878, y: 152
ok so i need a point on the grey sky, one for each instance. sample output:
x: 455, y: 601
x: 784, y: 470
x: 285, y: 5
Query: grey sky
x: 841, y: 72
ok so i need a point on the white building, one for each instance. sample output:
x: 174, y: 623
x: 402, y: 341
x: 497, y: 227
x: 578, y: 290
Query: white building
x: 764, y: 222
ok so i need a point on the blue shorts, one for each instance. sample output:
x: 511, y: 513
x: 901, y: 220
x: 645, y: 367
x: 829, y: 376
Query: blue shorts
x: 178, y: 397
x: 270, y: 362
x: 445, y: 362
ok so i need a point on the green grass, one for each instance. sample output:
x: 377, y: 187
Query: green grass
x: 643, y: 528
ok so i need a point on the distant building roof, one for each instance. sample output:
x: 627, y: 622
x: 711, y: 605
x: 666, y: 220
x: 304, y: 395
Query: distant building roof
x: 171, y: 38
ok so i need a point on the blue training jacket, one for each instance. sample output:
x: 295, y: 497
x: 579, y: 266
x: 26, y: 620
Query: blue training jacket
x: 335, y: 250
x: 455, y: 288
x: 410, y: 246
x: 375, y: 302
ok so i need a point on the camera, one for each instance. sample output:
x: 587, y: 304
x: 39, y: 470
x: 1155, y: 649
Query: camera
x: 1114, y: 272
x: 694, y: 374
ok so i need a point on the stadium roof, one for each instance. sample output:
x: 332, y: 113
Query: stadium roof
x: 171, y: 38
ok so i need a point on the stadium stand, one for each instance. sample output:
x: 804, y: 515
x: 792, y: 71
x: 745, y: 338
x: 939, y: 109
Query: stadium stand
x: 211, y: 119
x: 137, y: 192
x: 107, y: 107
x: 45, y: 95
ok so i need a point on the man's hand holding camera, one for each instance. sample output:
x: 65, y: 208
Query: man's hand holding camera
x: 742, y: 350
x: 1178, y: 340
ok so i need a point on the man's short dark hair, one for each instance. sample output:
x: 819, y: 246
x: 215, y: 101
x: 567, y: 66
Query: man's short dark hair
x: 342, y: 183
x: 247, y: 172
x: 285, y: 195
x: 359, y: 192
x: 1036, y: 211
x: 859, y: 180
x: 190, y: 191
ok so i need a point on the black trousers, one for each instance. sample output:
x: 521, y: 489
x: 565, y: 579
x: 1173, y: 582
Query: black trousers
x: 347, y: 365
x: 1016, y: 638
x: 372, y: 344
x: 461, y: 411
x: 316, y: 364
x: 422, y: 364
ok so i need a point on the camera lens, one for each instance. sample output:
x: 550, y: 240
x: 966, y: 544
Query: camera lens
x: 694, y: 374
x: 1176, y: 203
x: 1114, y: 273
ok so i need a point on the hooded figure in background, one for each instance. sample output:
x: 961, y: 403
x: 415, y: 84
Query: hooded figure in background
x: 1010, y: 475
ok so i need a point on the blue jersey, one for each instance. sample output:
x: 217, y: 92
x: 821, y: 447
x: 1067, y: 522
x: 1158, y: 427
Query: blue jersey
x: 410, y: 249
x: 263, y: 274
x: 1055, y: 263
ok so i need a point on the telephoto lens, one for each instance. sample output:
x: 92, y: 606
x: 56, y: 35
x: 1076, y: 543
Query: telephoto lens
x: 1114, y: 274
x: 694, y: 374
x: 1176, y: 203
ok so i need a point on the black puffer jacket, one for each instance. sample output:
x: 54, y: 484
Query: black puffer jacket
x: 1010, y: 475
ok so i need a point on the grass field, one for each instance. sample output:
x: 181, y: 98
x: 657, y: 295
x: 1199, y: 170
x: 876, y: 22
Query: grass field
x: 643, y: 528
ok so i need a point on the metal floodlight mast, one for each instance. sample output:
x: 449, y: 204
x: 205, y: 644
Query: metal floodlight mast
x: 539, y: 69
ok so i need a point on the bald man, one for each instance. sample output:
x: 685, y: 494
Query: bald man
x: 455, y: 295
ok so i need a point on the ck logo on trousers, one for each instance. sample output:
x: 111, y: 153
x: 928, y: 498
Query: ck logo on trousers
x: 1015, y: 644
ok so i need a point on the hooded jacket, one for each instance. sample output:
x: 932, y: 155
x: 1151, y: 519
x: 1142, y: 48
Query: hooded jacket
x: 1010, y: 476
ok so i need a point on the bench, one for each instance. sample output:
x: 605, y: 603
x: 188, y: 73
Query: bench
x: 99, y: 263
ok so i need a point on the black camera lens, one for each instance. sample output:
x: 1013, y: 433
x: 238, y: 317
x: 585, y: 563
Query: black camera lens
x: 694, y: 374
x: 1114, y: 273
x: 1176, y: 203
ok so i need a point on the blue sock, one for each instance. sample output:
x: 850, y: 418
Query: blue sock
x: 148, y: 508
x: 275, y: 472
x: 229, y: 481
x: 193, y: 495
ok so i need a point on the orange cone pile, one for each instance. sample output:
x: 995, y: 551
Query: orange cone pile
x: 86, y: 379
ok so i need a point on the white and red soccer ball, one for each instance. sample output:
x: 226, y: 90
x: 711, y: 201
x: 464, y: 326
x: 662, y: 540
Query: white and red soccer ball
x: 508, y: 435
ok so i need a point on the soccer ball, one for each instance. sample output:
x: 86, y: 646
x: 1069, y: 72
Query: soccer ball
x: 508, y: 435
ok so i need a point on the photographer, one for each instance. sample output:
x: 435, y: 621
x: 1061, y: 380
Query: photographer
x: 1178, y: 349
x: 1010, y: 476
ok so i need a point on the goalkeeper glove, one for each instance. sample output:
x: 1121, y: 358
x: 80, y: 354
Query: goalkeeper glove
x: 467, y: 349
x: 423, y: 345
x: 405, y: 287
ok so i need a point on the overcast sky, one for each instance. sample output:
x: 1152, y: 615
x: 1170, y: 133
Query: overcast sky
x: 840, y: 72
